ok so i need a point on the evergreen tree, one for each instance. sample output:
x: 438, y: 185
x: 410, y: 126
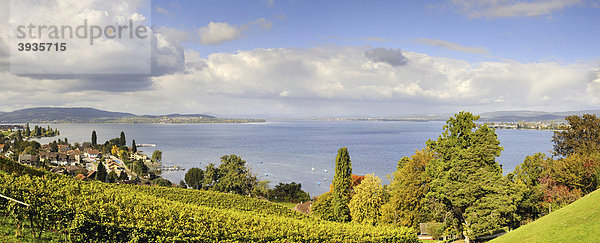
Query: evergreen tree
x: 122, y: 141
x: 133, y: 147
x: 27, y: 130
x: 467, y: 178
x: 112, y: 177
x: 19, y: 135
x: 341, y: 186
x: 94, y: 138
x: 123, y: 176
x: 101, y: 172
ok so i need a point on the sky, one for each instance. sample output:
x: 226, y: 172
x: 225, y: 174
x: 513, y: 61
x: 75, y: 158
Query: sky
x: 293, y: 58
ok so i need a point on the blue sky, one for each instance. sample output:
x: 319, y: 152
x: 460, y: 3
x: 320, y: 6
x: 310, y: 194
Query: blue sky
x: 568, y: 34
x: 295, y: 58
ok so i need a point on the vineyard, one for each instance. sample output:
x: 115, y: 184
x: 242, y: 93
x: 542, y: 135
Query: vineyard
x: 92, y: 211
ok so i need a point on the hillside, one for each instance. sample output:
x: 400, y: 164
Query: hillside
x: 46, y: 114
x: 577, y: 222
x: 91, y: 115
x: 92, y: 211
x: 531, y: 116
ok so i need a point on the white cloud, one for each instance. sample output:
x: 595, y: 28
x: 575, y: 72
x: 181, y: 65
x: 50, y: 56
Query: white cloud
x: 452, y: 46
x: 216, y: 33
x: 508, y: 8
x: 328, y: 80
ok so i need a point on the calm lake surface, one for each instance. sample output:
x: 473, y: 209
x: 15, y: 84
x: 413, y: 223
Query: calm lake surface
x: 287, y: 151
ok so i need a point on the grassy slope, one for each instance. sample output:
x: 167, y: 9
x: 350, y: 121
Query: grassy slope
x: 577, y: 222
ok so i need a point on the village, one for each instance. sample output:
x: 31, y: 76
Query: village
x: 120, y: 163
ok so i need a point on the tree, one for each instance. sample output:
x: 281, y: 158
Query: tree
x: 582, y: 136
x: 194, y: 178
x: 133, y: 147
x: 323, y: 207
x: 27, y: 130
x: 54, y: 146
x: 288, y: 192
x: 341, y: 186
x: 410, y: 184
x: 94, y: 138
x: 19, y: 135
x: 157, y: 155
x: 366, y: 203
x: 112, y: 177
x: 182, y: 184
x: 123, y: 176
x: 211, y: 176
x: 162, y: 182
x: 122, y: 141
x: 465, y: 174
x: 101, y: 172
x: 140, y: 168
x: 234, y: 176
x: 527, y: 177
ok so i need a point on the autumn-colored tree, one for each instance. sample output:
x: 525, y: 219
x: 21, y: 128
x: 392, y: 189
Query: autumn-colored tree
x: 366, y: 203
x: 407, y: 190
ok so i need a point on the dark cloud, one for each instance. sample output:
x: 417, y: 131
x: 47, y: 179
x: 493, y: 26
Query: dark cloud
x: 393, y: 57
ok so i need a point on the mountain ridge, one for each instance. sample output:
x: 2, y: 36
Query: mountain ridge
x: 77, y: 114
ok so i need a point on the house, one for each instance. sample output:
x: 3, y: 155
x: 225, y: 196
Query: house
x: 28, y: 159
x: 303, y: 207
x: 91, y: 175
x: 63, y: 147
x: 74, y: 156
x: 80, y: 177
x: 92, y: 154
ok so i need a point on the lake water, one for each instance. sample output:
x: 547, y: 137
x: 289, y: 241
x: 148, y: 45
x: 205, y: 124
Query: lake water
x: 286, y: 151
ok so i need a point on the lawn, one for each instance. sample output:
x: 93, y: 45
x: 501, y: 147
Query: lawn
x: 577, y: 222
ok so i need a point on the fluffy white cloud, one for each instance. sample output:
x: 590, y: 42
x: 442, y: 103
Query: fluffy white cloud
x: 508, y: 8
x: 327, y: 81
x: 216, y: 33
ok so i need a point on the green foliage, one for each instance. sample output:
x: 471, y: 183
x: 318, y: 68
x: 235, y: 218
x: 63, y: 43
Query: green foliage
x: 123, y: 176
x: 341, y: 186
x: 101, y: 174
x: 583, y: 136
x: 162, y: 182
x: 194, y: 178
x: 465, y: 175
x: 112, y: 177
x: 140, y: 168
x: 323, y: 207
x: 288, y: 192
x: 122, y: 140
x: 133, y: 147
x: 94, y: 138
x: 366, y: 203
x: 410, y: 184
x: 232, y: 176
x: 157, y: 155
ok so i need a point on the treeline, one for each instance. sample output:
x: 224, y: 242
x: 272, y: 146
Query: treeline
x: 233, y: 176
x: 456, y: 186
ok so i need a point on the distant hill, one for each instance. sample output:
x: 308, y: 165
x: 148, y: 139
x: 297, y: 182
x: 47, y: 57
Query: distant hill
x: 577, y: 222
x: 85, y: 115
x: 48, y: 114
x: 531, y: 116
